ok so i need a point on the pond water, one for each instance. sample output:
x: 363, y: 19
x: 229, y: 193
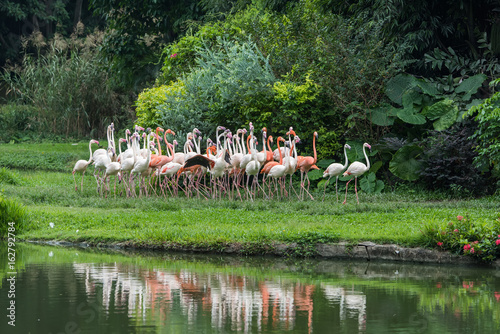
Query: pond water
x: 76, y: 290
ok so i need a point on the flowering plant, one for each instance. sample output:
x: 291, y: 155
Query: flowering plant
x: 481, y: 241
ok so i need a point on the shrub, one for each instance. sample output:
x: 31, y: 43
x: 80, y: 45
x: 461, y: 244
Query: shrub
x: 487, y: 133
x: 11, y: 212
x: 466, y: 237
x: 448, y: 160
x: 66, y: 84
x: 17, y: 122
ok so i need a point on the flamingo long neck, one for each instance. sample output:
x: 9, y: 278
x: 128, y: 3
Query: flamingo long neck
x: 346, y: 160
x: 158, y: 142
x: 366, y: 157
x: 264, y: 142
x: 134, y: 148
x: 248, y: 145
x: 148, y: 159
x: 268, y: 145
x: 128, y: 140
x: 242, y: 143
x: 169, y: 149
x: 279, y: 150
x: 314, y: 149
x: 90, y: 150
x: 120, y: 146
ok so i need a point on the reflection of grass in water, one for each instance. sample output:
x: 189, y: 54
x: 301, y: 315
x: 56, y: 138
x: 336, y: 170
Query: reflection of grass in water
x: 466, y: 298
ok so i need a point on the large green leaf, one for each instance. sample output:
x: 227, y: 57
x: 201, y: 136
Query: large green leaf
x: 409, y: 116
x: 470, y: 86
x: 383, y: 115
x: 404, y: 163
x: 427, y: 88
x: 411, y: 98
x: 439, y: 109
x: 397, y: 86
x: 371, y: 185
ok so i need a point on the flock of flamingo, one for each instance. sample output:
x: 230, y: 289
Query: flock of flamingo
x: 232, y: 163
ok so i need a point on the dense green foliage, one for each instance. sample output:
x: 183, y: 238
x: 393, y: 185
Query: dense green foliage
x: 487, y: 116
x: 399, y: 76
x: 13, y: 217
x: 65, y: 84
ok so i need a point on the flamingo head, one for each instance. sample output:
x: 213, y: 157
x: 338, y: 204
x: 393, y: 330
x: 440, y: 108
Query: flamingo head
x: 250, y: 125
x: 367, y: 145
x: 271, y: 139
x: 112, y: 127
x: 127, y: 132
x: 347, y: 146
x: 122, y: 140
x: 170, y: 131
x: 315, y: 134
x: 158, y: 129
x: 244, y: 131
x: 297, y: 139
x: 221, y: 128
x: 280, y: 139
x: 196, y: 131
x: 93, y: 141
x: 175, y: 142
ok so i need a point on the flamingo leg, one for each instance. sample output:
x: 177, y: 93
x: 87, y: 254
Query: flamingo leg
x: 76, y: 188
x: 81, y: 189
x: 356, y: 188
x: 347, y: 184
x: 324, y: 191
x: 337, y: 188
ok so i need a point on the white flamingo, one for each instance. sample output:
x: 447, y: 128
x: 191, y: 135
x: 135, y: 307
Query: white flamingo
x: 81, y: 165
x: 357, y: 169
x: 336, y: 169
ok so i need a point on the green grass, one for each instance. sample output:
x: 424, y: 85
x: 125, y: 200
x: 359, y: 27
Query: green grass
x: 393, y: 217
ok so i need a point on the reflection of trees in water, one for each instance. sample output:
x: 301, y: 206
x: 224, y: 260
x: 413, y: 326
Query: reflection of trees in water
x: 234, y: 302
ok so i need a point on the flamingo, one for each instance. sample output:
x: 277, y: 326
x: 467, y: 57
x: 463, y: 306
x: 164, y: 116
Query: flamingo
x: 142, y: 164
x: 335, y: 169
x: 262, y: 156
x: 112, y: 168
x: 305, y: 164
x: 253, y: 167
x: 81, y: 165
x: 279, y: 170
x: 291, y: 159
x: 357, y: 169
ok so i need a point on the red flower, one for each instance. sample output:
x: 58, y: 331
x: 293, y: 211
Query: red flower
x: 497, y: 242
x: 441, y: 244
x: 497, y: 296
x: 174, y: 55
x: 476, y: 242
x: 472, y: 250
x: 466, y: 247
x: 455, y: 230
x: 438, y: 285
x: 460, y: 217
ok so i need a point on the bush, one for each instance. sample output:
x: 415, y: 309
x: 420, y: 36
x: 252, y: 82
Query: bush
x: 480, y: 241
x: 66, y: 85
x: 17, y: 122
x: 487, y: 133
x: 448, y: 160
x: 11, y: 212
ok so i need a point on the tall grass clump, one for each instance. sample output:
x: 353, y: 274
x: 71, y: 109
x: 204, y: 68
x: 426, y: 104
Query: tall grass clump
x: 64, y: 81
x: 9, y: 177
x: 13, y: 213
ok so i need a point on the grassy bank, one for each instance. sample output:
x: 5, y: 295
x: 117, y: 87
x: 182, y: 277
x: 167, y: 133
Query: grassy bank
x: 393, y: 217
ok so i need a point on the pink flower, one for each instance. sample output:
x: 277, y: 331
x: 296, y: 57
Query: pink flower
x: 455, y: 230
x: 174, y: 55
x: 441, y: 244
x: 460, y: 217
x: 472, y: 250
x: 497, y: 296
x: 466, y: 247
x: 497, y: 242
x: 476, y: 242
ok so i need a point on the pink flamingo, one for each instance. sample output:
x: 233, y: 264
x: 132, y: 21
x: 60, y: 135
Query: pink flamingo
x: 305, y: 164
